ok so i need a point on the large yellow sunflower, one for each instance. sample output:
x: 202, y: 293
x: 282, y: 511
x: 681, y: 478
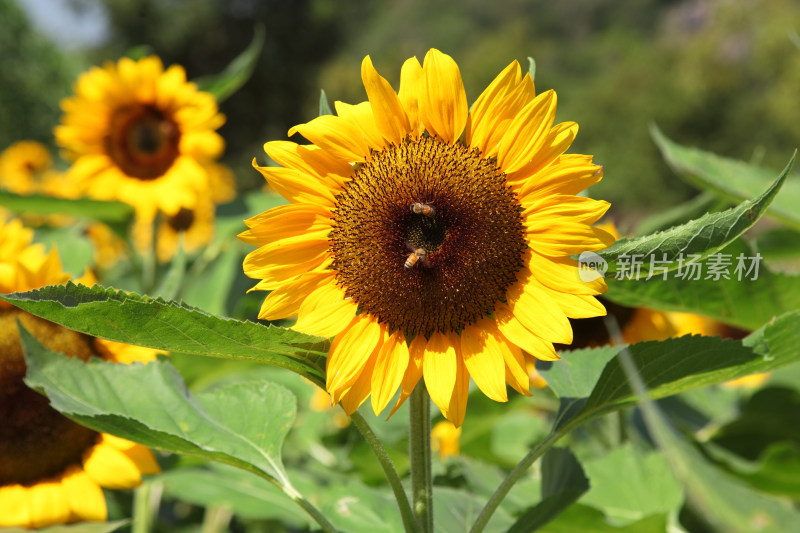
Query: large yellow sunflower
x: 52, y: 469
x: 142, y: 135
x: 429, y: 240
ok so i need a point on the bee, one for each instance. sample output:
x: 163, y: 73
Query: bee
x: 416, y: 255
x: 419, y: 208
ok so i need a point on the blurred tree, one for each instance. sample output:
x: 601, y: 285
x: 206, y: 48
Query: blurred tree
x: 34, y: 76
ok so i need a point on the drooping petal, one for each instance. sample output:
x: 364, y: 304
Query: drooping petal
x: 354, y: 395
x: 110, y: 467
x: 458, y: 401
x: 444, y: 104
x: 390, y: 366
x: 390, y: 117
x: 350, y: 351
x: 483, y: 357
x: 413, y: 373
x: 439, y: 367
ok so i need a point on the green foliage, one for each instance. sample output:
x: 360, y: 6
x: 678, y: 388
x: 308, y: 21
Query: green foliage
x: 238, y: 71
x: 701, y: 237
x: 132, y: 319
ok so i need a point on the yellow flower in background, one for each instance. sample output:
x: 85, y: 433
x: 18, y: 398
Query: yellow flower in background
x: 429, y: 240
x: 141, y: 134
x: 445, y: 439
x: 197, y: 224
x: 52, y: 470
x: 21, y: 166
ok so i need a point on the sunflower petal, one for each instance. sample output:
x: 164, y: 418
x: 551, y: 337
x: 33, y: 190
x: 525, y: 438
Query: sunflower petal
x: 390, y: 367
x: 562, y: 274
x: 354, y: 395
x: 311, y: 160
x: 48, y: 504
x: 567, y: 238
x: 458, y: 401
x: 85, y: 497
x: 390, y: 117
x: 516, y: 332
x: 413, y: 373
x: 15, y: 508
x: 487, y: 111
x: 285, y: 300
x: 340, y: 137
x: 325, y: 311
x: 412, y: 85
x: 527, y: 133
x: 296, y: 186
x: 537, y: 310
x: 444, y: 104
x: 439, y: 367
x: 349, y: 353
x: 110, y: 467
x: 483, y: 357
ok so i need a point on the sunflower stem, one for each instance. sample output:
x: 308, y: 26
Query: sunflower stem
x: 420, y: 456
x: 409, y: 520
x: 513, y: 476
x: 217, y: 518
x: 146, y: 501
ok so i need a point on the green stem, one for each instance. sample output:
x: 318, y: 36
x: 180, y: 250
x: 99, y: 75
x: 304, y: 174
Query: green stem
x: 312, y: 511
x: 419, y: 437
x: 146, y: 500
x: 216, y: 519
x: 514, y: 476
x: 409, y: 520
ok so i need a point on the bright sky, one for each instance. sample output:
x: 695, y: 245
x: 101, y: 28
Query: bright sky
x: 86, y: 26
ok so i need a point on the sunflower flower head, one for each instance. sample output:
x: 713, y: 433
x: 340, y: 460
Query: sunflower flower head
x: 141, y: 134
x: 52, y: 470
x: 429, y: 240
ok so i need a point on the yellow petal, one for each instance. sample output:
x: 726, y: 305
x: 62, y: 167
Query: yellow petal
x: 444, y: 104
x: 325, y: 312
x: 85, y: 497
x: 286, y: 258
x: 285, y: 221
x: 354, y: 395
x: 311, y: 160
x: 536, y: 309
x: 350, y: 351
x: 515, y: 367
x: 488, y: 112
x: 558, y: 239
x: 15, y: 506
x: 413, y: 373
x: 562, y: 274
x: 285, y: 301
x: 390, y: 117
x: 558, y: 140
x: 516, y: 332
x: 440, y: 366
x: 49, y: 504
x: 412, y: 86
x: 578, y: 305
x: 339, y: 137
x: 390, y: 367
x: 484, y: 359
x: 111, y: 468
x: 562, y: 207
x: 568, y: 174
x: 527, y: 133
x: 362, y: 115
x: 298, y: 187
x: 458, y: 401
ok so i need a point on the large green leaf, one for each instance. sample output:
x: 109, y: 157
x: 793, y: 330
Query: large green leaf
x: 133, y: 319
x: 237, y: 72
x: 242, y: 424
x: 701, y: 237
x: 731, y: 179
x: 632, y: 496
x: 747, y: 303
x: 593, y: 382
x: 590, y: 520
x: 115, y: 214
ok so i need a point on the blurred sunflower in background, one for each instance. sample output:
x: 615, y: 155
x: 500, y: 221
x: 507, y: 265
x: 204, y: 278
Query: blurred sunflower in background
x: 24, y: 165
x: 52, y: 470
x: 429, y: 240
x: 143, y: 135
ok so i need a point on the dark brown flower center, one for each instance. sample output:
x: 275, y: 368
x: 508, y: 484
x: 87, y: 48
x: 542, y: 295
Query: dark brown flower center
x: 182, y: 220
x: 36, y: 441
x: 427, y: 236
x: 142, y: 141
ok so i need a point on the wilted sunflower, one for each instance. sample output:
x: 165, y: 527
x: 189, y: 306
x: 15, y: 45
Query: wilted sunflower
x: 430, y: 240
x: 52, y: 469
x: 142, y: 135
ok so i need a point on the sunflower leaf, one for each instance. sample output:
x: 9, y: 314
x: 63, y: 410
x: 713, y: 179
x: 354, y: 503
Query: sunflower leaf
x: 588, y: 386
x: 150, y: 404
x: 116, y: 214
x: 728, y: 178
x: 747, y: 303
x: 324, y: 106
x: 693, y: 240
x: 237, y: 73
x: 170, y: 326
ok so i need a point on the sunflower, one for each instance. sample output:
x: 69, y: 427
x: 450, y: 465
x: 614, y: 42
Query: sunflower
x: 429, y: 240
x: 141, y: 134
x: 52, y: 469
x: 21, y: 166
